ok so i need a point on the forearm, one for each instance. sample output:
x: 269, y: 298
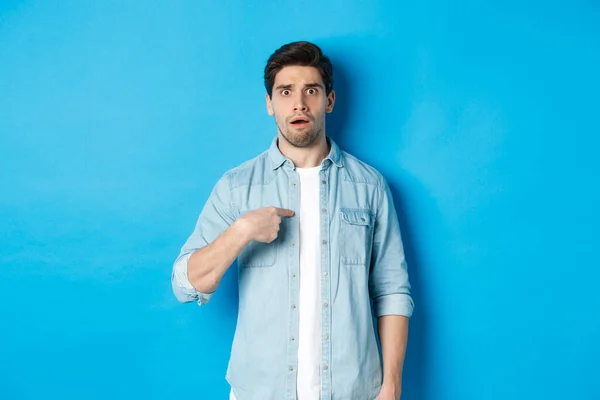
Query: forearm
x: 393, y: 335
x: 208, y: 264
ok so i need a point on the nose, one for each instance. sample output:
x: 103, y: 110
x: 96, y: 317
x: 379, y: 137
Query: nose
x: 300, y: 104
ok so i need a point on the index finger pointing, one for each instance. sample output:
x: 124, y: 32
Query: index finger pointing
x: 284, y: 212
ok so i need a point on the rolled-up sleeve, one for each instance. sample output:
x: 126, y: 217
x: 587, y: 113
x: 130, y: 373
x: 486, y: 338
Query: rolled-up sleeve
x: 183, y: 289
x: 217, y: 215
x: 389, y: 286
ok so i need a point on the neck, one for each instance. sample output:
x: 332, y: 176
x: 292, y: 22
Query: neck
x: 305, y: 157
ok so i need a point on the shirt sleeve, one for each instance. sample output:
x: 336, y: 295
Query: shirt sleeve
x: 216, y: 216
x: 389, y: 286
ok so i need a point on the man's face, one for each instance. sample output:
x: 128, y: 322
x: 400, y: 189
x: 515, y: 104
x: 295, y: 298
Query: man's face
x: 299, y: 104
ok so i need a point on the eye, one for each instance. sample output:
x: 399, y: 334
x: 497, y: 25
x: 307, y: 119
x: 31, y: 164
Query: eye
x: 311, y: 91
x: 285, y: 92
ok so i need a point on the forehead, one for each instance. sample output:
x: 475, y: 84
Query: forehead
x: 297, y: 75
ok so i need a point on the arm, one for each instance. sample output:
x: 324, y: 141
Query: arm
x: 207, y: 265
x: 217, y: 240
x: 393, y: 334
x: 389, y: 288
x: 211, y: 248
x: 197, y: 275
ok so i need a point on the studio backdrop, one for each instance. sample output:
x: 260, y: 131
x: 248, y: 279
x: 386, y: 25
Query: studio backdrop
x: 118, y: 117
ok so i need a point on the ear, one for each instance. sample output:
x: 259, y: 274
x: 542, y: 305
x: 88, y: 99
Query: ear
x: 330, y: 102
x: 269, y: 104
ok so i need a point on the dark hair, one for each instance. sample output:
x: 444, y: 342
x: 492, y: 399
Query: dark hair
x: 298, y: 53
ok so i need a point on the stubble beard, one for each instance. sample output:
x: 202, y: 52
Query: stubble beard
x: 300, y: 138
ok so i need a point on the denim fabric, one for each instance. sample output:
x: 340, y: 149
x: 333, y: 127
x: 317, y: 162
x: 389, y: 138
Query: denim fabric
x: 363, y: 272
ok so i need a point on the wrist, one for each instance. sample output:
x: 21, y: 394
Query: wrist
x: 393, y: 380
x: 240, y: 231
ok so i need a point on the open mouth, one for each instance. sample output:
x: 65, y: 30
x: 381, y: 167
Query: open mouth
x: 299, y: 122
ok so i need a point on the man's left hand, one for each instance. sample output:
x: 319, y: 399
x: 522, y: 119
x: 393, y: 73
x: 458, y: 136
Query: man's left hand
x: 389, y: 392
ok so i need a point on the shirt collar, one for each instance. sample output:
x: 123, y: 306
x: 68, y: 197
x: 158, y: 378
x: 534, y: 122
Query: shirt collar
x: 278, y: 159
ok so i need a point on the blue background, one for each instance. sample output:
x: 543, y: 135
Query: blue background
x: 117, y: 118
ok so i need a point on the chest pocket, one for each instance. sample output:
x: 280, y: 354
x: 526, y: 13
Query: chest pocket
x: 356, y: 231
x: 258, y: 255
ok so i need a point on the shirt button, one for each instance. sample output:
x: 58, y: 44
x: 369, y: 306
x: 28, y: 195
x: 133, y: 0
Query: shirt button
x: 292, y: 338
x: 326, y: 337
x: 325, y: 367
x: 293, y: 184
x: 325, y: 273
x: 324, y: 210
x: 293, y: 306
x: 325, y: 304
x: 291, y: 368
x: 323, y: 182
x: 292, y: 244
x: 324, y: 241
x: 293, y: 275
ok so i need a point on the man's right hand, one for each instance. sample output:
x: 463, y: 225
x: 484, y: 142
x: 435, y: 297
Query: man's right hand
x: 262, y: 225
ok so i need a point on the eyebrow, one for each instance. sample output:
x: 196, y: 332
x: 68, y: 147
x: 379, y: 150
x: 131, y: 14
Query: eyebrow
x: 308, y: 85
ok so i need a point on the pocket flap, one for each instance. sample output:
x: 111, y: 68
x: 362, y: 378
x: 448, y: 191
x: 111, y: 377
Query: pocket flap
x: 357, y: 217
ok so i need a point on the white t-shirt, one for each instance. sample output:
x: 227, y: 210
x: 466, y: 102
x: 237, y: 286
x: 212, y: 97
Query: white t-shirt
x: 308, y: 379
x: 309, y: 339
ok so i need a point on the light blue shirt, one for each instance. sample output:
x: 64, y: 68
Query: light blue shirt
x: 363, y: 271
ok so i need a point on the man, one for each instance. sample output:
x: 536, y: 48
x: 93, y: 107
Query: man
x: 317, y: 239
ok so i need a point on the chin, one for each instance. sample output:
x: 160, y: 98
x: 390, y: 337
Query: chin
x: 301, y: 139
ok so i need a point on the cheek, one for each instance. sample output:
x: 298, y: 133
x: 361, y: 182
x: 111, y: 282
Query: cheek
x: 279, y: 108
x: 279, y: 117
x: 318, y: 105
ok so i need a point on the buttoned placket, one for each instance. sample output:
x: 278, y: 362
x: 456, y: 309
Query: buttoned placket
x: 325, y: 282
x: 293, y: 278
